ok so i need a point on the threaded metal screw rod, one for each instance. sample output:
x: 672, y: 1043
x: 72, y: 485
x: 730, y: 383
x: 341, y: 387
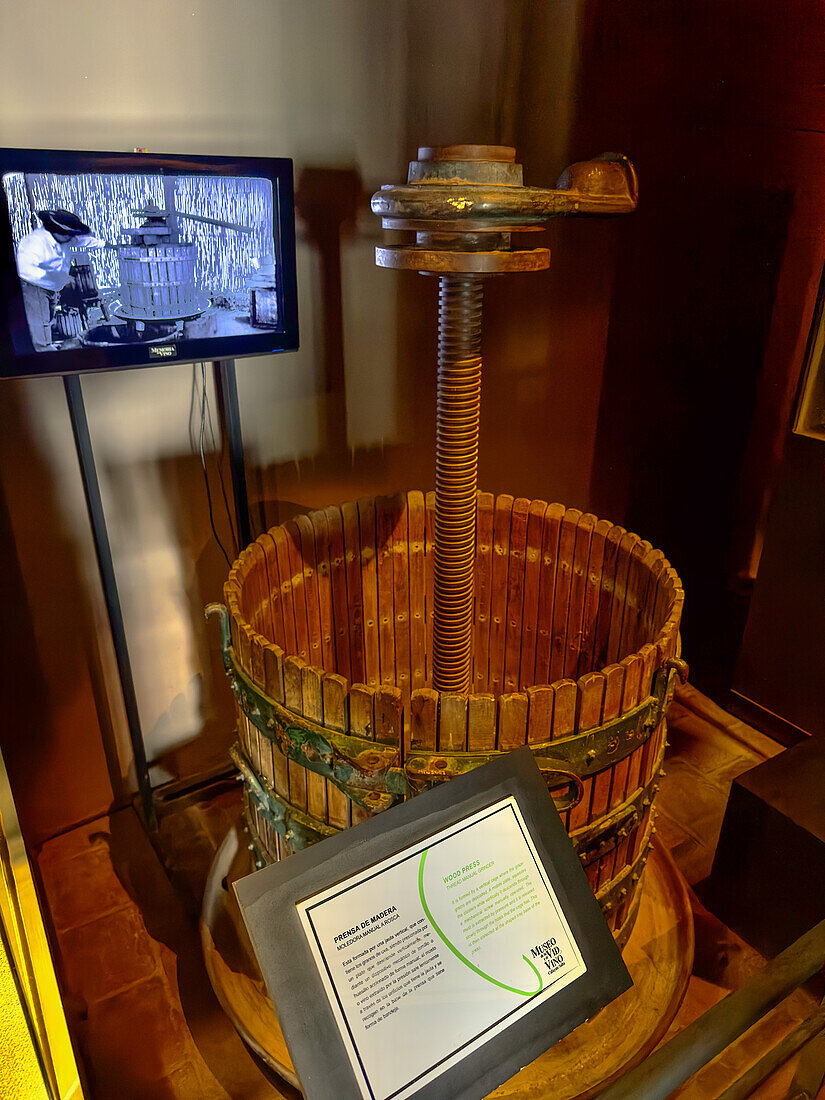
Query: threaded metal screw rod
x: 463, y: 202
x: 456, y: 478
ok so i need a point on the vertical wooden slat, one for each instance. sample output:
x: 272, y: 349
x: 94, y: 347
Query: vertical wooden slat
x: 336, y: 717
x: 255, y: 586
x: 452, y: 722
x: 306, y: 536
x: 565, y: 705
x: 483, y: 589
x: 249, y: 665
x: 561, y: 596
x: 294, y: 700
x: 622, y: 787
x: 640, y: 760
x: 276, y: 613
x: 591, y: 697
x: 338, y: 583
x: 323, y: 582
x: 634, y: 666
x: 355, y: 594
x: 384, y: 524
x: 513, y: 626
x: 565, y: 702
x: 285, y: 572
x: 257, y: 743
x: 264, y: 766
x: 389, y: 715
x: 299, y: 603
x: 655, y: 564
x: 313, y: 707
x: 664, y: 595
x: 264, y: 624
x: 270, y: 608
x: 611, y: 707
x: 418, y: 632
x: 611, y: 549
x: 638, y: 577
x: 274, y: 686
x: 532, y: 581
x: 512, y: 720
x: 591, y: 597
x: 623, y: 609
x: 578, y: 589
x: 369, y: 590
x: 401, y: 599
x: 481, y: 722
x: 249, y: 742
x: 424, y: 719
x: 232, y: 596
x: 547, y: 587
x: 274, y: 672
x: 670, y: 631
x: 244, y: 594
x: 498, y: 591
x: 361, y: 724
x: 540, y: 712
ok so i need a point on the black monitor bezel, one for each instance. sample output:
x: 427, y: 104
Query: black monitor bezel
x: 14, y: 364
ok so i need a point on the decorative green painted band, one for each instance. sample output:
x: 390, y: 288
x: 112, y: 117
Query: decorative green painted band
x: 295, y: 826
x: 301, y: 830
x: 375, y: 776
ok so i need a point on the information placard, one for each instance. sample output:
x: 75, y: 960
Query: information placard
x: 462, y: 936
x: 433, y: 953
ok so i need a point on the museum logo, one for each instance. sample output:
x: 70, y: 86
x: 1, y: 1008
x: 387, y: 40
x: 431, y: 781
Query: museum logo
x: 550, y: 954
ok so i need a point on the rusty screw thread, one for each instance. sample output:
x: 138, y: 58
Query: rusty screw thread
x: 456, y: 478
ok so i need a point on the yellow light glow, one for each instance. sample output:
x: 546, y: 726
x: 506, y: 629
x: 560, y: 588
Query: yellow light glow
x: 20, y: 1076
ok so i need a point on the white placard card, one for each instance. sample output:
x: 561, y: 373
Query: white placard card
x: 435, y: 949
x: 430, y: 953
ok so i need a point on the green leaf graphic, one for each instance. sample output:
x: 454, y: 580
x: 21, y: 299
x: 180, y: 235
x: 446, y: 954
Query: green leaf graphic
x: 457, y: 953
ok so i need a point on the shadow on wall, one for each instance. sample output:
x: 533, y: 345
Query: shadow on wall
x: 56, y: 733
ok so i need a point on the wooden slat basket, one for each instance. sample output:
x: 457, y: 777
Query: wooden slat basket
x: 327, y: 643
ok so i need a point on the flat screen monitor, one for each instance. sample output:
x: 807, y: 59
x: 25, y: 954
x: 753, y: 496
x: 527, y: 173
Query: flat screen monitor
x: 111, y: 260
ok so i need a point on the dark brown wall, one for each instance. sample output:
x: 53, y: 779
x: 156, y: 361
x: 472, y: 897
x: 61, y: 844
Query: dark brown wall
x: 721, y: 106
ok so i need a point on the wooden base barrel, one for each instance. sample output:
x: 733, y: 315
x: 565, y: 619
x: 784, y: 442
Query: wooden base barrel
x: 328, y: 639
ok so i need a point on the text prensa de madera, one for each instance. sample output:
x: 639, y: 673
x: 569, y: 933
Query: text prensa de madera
x: 365, y: 927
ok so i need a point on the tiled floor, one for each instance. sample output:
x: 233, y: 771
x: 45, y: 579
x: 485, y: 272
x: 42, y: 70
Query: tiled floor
x: 145, y: 1019
x: 140, y: 1005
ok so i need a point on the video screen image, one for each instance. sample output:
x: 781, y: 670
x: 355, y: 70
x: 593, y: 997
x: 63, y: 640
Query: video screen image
x: 116, y: 259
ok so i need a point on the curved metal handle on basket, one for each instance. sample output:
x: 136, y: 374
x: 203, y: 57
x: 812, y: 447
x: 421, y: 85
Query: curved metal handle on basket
x: 680, y: 667
x: 557, y: 777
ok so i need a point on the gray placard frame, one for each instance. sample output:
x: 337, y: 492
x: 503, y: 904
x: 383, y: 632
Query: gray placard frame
x: 269, y: 898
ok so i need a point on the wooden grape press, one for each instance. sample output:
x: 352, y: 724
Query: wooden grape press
x: 380, y: 647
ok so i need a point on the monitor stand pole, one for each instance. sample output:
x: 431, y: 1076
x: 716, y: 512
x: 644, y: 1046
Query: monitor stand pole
x: 91, y: 489
x: 226, y: 387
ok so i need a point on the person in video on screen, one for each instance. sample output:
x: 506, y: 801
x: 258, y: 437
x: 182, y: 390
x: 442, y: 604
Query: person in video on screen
x: 43, y: 261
